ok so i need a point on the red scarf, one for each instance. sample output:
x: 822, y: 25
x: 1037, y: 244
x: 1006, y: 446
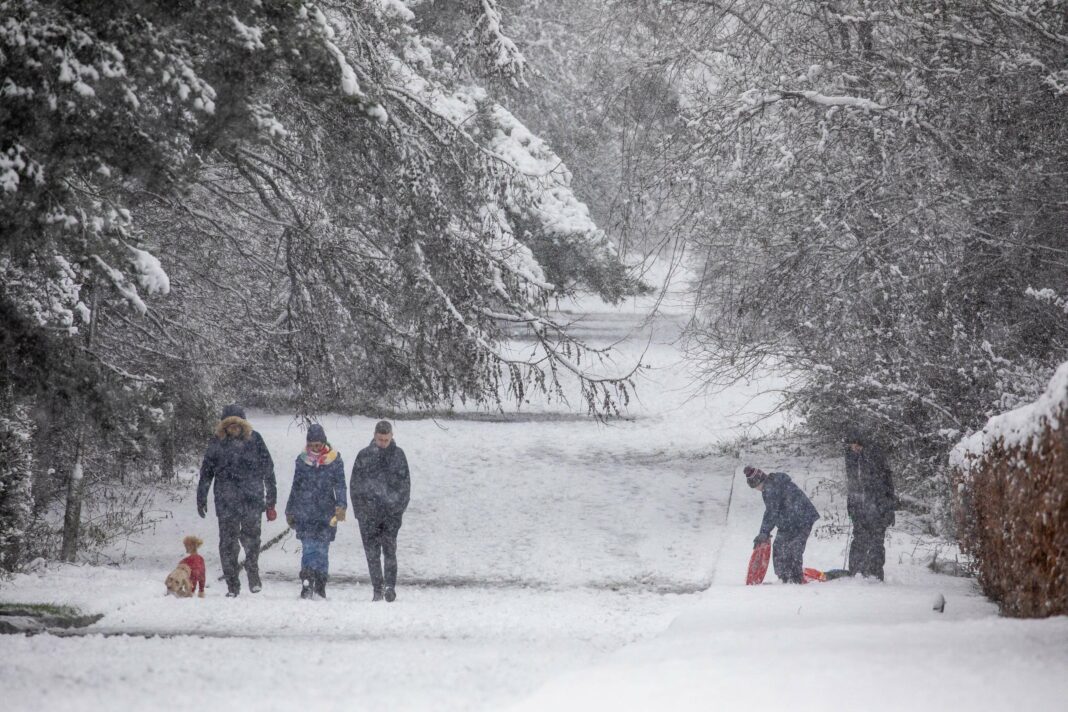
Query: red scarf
x: 316, y: 459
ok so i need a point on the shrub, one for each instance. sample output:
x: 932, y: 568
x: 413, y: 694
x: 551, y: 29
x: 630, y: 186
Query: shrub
x: 1012, y: 504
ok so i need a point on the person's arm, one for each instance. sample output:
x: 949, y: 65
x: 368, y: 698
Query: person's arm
x: 404, y: 482
x: 292, y: 496
x: 356, y: 483
x: 771, y: 518
x: 267, y: 468
x: 340, y: 497
x: 207, y: 474
x: 851, y: 484
x: 887, y: 495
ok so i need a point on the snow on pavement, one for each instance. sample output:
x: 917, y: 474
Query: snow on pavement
x: 546, y: 563
x: 841, y: 645
x: 531, y: 547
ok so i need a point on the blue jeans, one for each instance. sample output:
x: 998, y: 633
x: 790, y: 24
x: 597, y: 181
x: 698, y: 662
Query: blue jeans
x: 315, y: 555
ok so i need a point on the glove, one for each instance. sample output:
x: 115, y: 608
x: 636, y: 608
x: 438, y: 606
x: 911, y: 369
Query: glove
x: 202, y: 510
x: 271, y: 514
x: 761, y: 539
x: 339, y: 513
x: 291, y: 520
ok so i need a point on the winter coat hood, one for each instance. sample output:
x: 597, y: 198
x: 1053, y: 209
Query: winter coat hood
x: 246, y: 427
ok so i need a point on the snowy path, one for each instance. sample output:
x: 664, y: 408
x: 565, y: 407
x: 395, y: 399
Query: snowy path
x: 546, y: 563
x: 531, y: 547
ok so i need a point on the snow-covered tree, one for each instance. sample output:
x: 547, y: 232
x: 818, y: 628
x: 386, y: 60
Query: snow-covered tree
x: 309, y: 199
x: 875, y: 205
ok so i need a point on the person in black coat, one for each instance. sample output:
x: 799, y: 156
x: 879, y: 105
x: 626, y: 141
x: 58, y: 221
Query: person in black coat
x: 870, y: 503
x: 380, y: 488
x: 317, y: 502
x: 790, y: 510
x: 238, y: 462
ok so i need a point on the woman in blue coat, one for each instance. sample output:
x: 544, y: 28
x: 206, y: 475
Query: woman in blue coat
x: 317, y: 502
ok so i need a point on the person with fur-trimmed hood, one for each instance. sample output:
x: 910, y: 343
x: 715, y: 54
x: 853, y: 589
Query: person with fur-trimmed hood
x: 789, y: 509
x: 238, y: 462
x: 870, y: 503
x: 317, y: 502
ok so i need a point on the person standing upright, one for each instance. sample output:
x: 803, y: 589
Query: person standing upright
x: 317, y: 502
x: 238, y: 462
x: 870, y: 503
x: 380, y: 488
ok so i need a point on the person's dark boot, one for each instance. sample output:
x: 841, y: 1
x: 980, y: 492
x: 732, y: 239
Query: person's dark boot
x: 254, y: 583
x: 391, y: 595
x: 320, y: 584
x: 377, y: 595
x: 307, y: 589
x: 233, y: 588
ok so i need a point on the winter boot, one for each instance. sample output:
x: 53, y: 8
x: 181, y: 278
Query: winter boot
x: 391, y: 595
x: 320, y: 584
x: 254, y: 583
x: 377, y: 595
x: 233, y: 588
x: 307, y: 590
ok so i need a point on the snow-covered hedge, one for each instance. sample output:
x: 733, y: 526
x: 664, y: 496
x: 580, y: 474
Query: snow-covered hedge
x: 1012, y: 497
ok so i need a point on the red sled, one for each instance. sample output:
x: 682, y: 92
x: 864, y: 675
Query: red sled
x: 758, y: 567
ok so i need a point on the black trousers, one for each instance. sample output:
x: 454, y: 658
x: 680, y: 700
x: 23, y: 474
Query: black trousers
x: 788, y: 554
x: 867, y: 552
x: 379, y: 534
x: 237, y: 531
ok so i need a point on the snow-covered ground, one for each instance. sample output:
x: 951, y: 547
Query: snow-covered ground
x: 546, y: 562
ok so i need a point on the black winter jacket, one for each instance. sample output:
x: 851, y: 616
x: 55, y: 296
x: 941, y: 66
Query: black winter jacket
x: 317, y: 491
x: 870, y: 497
x: 242, y: 471
x: 786, y: 506
x: 380, y: 484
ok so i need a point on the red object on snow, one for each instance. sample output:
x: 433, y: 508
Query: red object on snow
x: 758, y: 564
x: 197, y: 572
x: 758, y: 568
x: 271, y: 514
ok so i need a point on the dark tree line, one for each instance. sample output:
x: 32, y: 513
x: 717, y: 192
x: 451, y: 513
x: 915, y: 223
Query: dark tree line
x: 303, y: 205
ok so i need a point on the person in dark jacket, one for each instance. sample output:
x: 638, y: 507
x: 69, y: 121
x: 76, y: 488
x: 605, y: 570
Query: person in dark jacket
x: 381, y: 488
x: 238, y: 463
x: 790, y: 510
x: 870, y: 503
x: 317, y: 502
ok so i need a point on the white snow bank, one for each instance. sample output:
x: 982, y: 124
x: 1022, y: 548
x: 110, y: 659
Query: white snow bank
x: 1016, y: 428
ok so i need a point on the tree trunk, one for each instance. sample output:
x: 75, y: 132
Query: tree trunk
x: 72, y: 517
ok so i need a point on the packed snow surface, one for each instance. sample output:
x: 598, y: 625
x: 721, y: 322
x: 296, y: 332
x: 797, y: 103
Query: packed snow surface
x: 547, y: 562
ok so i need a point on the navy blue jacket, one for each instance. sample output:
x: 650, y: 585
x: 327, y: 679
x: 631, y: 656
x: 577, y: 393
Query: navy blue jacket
x: 870, y: 498
x: 317, y: 491
x: 242, y: 471
x: 381, y: 485
x: 786, y: 506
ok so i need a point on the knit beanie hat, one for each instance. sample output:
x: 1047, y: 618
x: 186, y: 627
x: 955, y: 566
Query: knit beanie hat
x: 233, y: 410
x: 754, y: 476
x: 316, y: 434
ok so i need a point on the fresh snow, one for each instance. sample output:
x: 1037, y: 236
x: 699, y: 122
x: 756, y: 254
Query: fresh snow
x: 547, y: 562
x: 1016, y: 428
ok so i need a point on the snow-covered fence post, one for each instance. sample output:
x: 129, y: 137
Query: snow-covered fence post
x: 1012, y: 503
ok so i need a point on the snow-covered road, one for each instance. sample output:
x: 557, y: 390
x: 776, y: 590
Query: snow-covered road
x: 546, y: 563
x: 532, y: 546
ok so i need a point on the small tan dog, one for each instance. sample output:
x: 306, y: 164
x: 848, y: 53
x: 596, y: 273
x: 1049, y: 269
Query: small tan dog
x: 189, y: 573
